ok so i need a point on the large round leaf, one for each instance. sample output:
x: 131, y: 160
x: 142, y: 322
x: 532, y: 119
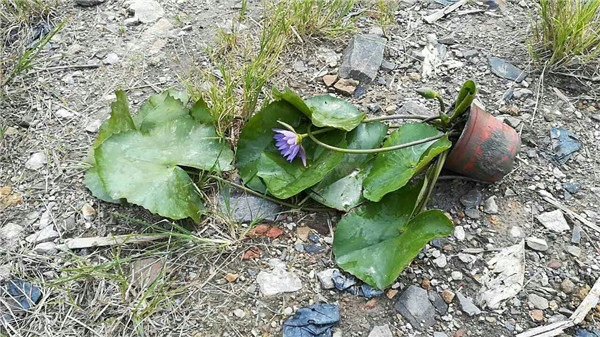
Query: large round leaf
x: 393, y: 169
x: 257, y: 136
x: 284, y: 179
x: 324, y: 110
x: 342, y: 188
x: 160, y: 108
x: 375, y: 242
x: 145, y: 168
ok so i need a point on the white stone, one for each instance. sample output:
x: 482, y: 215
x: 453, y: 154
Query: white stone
x: 459, y: 233
x: 111, y: 58
x: 537, y: 244
x: 441, y: 261
x: 457, y: 275
x: 381, y: 331
x: 490, y: 206
x: 239, y: 313
x: 93, y: 126
x: 278, y: 280
x: 554, y: 221
x: 145, y: 11
x: 46, y: 248
x: 517, y: 232
x: 10, y: 233
x: 36, y: 161
x: 64, y: 114
x: 326, y: 278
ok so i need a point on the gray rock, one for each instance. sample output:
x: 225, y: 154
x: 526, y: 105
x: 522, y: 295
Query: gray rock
x: 576, y: 236
x: 247, y: 208
x: 414, y: 108
x: 362, y: 58
x: 299, y: 66
x: 538, y: 302
x: 574, y: 250
x: 381, y: 331
x: 387, y: 65
x: 554, y: 221
x: 438, y: 302
x: 467, y: 306
x: 473, y: 213
x: 472, y: 199
x: 537, y: 244
x: 88, y: 3
x: 46, y: 248
x: 439, y: 334
x: 447, y: 40
x: 36, y: 161
x: 415, y: 307
x: 46, y: 234
x: 278, y: 280
x: 145, y: 11
x: 456, y: 275
x: 522, y: 93
x: 10, y: 234
x: 326, y: 278
x: 469, y: 54
x: 567, y: 286
x: 506, y: 70
x: 490, y: 206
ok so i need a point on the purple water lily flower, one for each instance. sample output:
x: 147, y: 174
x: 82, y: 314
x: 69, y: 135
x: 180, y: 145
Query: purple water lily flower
x: 290, y: 145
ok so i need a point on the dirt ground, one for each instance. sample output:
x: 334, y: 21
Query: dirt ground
x: 57, y: 107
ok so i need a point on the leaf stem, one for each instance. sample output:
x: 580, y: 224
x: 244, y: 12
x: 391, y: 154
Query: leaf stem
x: 367, y: 151
x: 390, y: 117
x: 437, y: 169
x: 266, y: 197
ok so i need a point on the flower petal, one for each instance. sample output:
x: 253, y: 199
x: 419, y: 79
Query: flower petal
x: 295, y: 150
x: 303, y: 156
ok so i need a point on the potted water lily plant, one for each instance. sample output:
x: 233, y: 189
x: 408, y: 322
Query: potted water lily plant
x: 320, y: 148
x: 381, y: 175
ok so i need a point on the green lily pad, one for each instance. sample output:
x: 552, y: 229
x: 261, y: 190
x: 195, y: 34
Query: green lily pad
x: 159, y: 108
x: 376, y: 241
x: 147, y: 168
x: 120, y: 119
x: 393, y: 169
x: 257, y: 137
x: 342, y: 188
x: 284, y: 179
x: 325, y: 110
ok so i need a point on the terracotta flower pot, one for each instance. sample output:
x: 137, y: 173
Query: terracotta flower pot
x: 486, y: 149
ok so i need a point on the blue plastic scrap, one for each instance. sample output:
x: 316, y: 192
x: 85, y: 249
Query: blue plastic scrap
x: 19, y: 295
x: 586, y: 333
x: 564, y: 144
x: 314, y: 321
x: 341, y: 281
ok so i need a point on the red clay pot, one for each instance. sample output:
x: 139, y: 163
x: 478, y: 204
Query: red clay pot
x: 486, y: 149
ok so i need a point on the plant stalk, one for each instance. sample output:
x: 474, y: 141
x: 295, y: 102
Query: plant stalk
x: 266, y: 197
x: 436, y: 173
x: 368, y: 151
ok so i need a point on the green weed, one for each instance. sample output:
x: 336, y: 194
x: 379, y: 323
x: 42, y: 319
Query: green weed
x: 242, y: 62
x: 566, y: 32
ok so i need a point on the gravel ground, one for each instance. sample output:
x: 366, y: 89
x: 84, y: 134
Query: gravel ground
x: 548, y: 254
